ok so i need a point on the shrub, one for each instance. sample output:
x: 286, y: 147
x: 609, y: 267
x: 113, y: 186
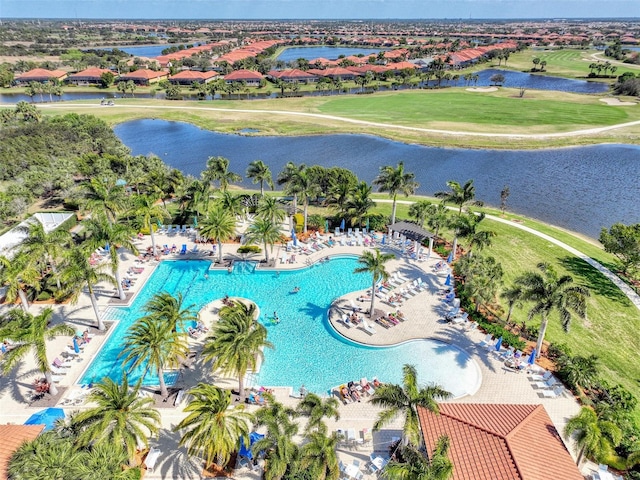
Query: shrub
x: 244, y: 249
x: 43, y: 296
x: 315, y: 221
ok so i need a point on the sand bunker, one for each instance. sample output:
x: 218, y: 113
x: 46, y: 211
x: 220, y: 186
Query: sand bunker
x: 482, y: 89
x: 616, y: 102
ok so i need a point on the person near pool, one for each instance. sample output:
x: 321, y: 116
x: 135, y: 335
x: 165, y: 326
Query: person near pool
x: 295, y: 290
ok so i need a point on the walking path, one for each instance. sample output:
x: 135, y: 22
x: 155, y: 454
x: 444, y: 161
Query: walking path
x: 536, y: 136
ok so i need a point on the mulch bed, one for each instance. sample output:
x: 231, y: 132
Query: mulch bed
x: 47, y: 400
x: 215, y: 471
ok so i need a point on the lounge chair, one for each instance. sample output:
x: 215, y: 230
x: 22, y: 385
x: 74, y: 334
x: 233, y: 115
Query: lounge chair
x: 460, y: 319
x: 555, y: 393
x: 61, y: 363
x: 542, y: 378
x: 471, y: 327
x: 152, y: 458
x: 183, y: 250
x: 549, y: 383
x: 356, y: 308
x: 194, y: 249
x: 488, y: 341
x: 368, y: 327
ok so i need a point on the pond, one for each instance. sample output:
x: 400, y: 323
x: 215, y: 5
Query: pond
x: 537, y: 82
x: 581, y: 189
x: 330, y: 53
x: 149, y: 51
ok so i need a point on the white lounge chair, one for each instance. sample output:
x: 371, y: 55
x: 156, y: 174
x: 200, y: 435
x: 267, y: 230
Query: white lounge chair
x: 542, y: 378
x: 551, y: 382
x: 460, y: 319
x: 152, y: 458
x: 488, y: 341
x: 368, y: 327
x: 556, y: 392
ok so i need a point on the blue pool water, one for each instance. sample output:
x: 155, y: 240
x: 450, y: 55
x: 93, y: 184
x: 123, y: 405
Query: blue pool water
x: 307, y: 350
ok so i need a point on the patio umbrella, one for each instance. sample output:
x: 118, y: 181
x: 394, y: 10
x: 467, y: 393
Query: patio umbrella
x: 383, y: 239
x: 499, y: 344
x: 76, y: 348
x: 294, y: 237
x: 450, y: 257
x: 342, y: 225
x: 46, y: 417
x: 448, y: 280
x: 195, y: 221
x: 246, y: 451
x: 367, y: 225
x: 532, y: 357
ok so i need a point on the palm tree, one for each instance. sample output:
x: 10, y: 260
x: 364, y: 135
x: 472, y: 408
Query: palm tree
x: 218, y: 225
x: 43, y: 245
x: 44, y: 458
x: 513, y: 295
x: 578, y: 371
x: 319, y: 457
x: 339, y: 194
x: 300, y: 183
x: 404, y: 400
x: 263, y: 231
x: 218, y: 170
x: 17, y: 274
x: 165, y: 308
x: 196, y: 198
x: 30, y: 333
x: 114, y: 235
x: 421, y: 210
x: 146, y: 208
x: 287, y: 177
x: 316, y: 409
x: 373, y: 263
x: 438, y: 218
x: 359, y: 203
x: 78, y: 273
x: 122, y: 417
x: 154, y: 344
x: 234, y: 204
x: 415, y: 465
x: 460, y: 195
x: 467, y: 228
x: 395, y: 181
x: 280, y: 450
x: 596, y: 438
x: 213, y: 428
x: 269, y: 208
x: 103, y: 461
x: 236, y: 342
x: 548, y: 292
x: 260, y: 172
x: 106, y: 197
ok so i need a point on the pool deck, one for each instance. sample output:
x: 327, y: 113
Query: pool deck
x: 423, y: 313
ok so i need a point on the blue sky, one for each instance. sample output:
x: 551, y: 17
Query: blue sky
x: 317, y: 9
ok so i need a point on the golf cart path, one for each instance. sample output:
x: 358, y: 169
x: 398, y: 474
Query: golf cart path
x: 628, y: 291
x: 574, y: 133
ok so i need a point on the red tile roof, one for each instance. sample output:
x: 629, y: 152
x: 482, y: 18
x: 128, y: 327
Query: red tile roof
x: 92, y: 72
x: 194, y: 75
x: 293, y: 73
x: 11, y: 437
x: 239, y: 75
x: 41, y: 73
x: 499, y: 442
x: 401, y: 66
x: 145, y: 74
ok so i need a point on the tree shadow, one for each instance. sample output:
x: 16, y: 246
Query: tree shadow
x: 595, y: 280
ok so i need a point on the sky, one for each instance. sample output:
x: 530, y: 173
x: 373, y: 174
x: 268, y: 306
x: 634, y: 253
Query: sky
x: 318, y: 9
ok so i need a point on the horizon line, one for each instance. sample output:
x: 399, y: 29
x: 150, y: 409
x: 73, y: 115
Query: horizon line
x: 345, y: 19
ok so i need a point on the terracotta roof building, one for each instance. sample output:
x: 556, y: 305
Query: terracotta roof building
x: 250, y: 77
x: 90, y: 76
x: 189, y: 77
x: 40, y: 75
x: 144, y: 76
x: 292, y: 75
x: 11, y: 437
x: 499, y: 442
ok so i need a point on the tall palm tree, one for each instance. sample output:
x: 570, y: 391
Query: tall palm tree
x: 218, y: 170
x: 165, y: 308
x: 280, y: 450
x: 319, y: 457
x: 236, y: 342
x: 17, y: 275
x: 218, y: 225
x: 339, y: 194
x: 468, y: 230
x: 359, y: 203
x: 513, y: 295
x: 395, y: 181
x: 146, y: 208
x: 548, y: 292
x: 403, y: 400
x: 263, y: 231
x: 373, y: 263
x: 460, y: 195
x: 232, y: 203
x: 287, y: 178
x: 260, y: 172
x: 78, y: 273
x: 30, y: 334
x: 114, y: 235
x: 438, y: 218
x: 269, y: 208
x: 122, y: 417
x: 155, y: 345
x: 596, y: 438
x: 196, y: 197
x: 213, y: 428
x: 421, y: 210
x: 105, y: 197
x: 416, y: 465
x: 45, y: 246
x: 316, y: 409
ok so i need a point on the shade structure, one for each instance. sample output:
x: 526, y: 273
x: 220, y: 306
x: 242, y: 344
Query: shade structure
x: 46, y: 417
x: 532, y: 357
x: 448, y: 280
x: 342, y: 224
x: 245, y: 451
x: 499, y: 344
x: 294, y: 237
x: 76, y: 347
x: 450, y: 257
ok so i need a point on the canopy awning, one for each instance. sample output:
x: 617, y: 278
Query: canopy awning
x: 411, y: 230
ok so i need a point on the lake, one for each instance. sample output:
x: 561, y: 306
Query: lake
x: 330, y: 53
x: 581, y: 189
x: 537, y: 82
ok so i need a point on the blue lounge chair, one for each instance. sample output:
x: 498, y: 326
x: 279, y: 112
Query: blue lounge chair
x: 183, y: 250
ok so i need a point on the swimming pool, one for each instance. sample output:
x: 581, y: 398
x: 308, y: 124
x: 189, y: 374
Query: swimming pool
x: 307, y: 349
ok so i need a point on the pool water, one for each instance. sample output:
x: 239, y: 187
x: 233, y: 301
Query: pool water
x: 307, y: 349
